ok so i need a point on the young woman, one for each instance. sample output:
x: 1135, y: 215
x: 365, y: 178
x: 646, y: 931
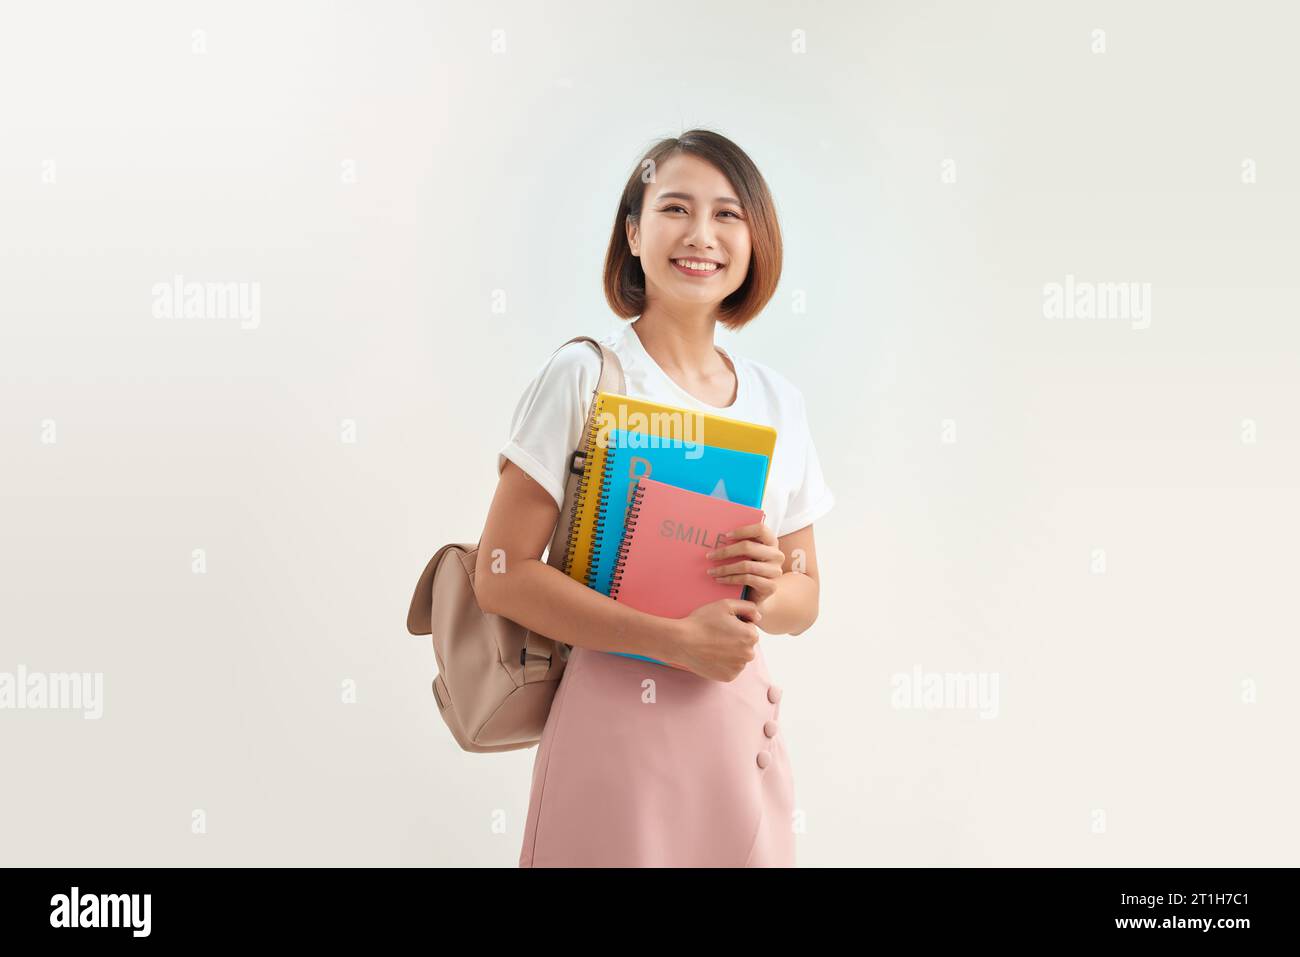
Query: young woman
x: 641, y: 764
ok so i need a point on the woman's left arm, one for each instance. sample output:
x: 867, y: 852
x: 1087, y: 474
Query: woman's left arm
x: 781, y: 575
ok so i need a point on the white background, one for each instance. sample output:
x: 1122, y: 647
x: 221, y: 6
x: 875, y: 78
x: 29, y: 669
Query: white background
x: 473, y: 172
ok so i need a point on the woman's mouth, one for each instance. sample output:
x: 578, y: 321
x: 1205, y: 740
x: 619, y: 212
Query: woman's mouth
x: 697, y: 268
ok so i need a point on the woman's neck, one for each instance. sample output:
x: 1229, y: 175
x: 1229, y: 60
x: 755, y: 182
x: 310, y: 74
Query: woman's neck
x: 680, y: 342
x: 683, y: 348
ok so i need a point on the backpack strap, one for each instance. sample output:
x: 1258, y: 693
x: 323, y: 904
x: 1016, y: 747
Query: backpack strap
x: 611, y: 380
x: 537, y: 666
x: 611, y: 370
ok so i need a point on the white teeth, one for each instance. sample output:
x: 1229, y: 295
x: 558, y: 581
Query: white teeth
x: 697, y: 266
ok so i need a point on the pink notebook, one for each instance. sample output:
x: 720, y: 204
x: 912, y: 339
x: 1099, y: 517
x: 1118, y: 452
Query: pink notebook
x: 661, y: 568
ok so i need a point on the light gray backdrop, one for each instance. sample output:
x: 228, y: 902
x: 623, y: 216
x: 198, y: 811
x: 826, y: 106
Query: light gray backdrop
x: 222, y: 514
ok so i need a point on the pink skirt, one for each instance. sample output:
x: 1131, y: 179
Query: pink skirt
x: 641, y: 765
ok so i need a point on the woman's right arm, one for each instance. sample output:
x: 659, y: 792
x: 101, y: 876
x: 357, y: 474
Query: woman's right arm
x: 511, y: 580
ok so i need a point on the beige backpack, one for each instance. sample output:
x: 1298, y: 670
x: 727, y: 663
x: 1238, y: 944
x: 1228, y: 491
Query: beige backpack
x: 496, y: 678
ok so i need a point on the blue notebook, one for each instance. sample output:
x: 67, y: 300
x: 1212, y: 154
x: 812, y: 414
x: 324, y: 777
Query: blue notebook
x: 707, y: 469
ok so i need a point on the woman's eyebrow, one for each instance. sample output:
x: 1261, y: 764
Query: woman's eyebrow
x: 688, y: 196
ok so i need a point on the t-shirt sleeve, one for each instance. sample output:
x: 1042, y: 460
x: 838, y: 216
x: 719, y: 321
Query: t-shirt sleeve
x: 812, y: 498
x: 549, y: 417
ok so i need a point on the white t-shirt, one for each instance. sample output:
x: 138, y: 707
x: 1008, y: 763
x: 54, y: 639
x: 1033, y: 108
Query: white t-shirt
x: 552, y: 411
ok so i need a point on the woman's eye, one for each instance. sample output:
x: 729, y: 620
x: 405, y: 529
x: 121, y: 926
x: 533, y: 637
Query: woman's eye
x: 667, y: 209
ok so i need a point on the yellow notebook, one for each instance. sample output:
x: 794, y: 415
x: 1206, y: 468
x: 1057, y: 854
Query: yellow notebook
x: 653, y: 419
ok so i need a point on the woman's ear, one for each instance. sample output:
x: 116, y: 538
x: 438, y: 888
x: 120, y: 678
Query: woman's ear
x: 633, y: 235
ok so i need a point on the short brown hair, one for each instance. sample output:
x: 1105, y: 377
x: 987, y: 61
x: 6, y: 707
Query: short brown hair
x: 624, y: 277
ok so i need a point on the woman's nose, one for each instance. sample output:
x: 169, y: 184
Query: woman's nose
x: 701, y: 232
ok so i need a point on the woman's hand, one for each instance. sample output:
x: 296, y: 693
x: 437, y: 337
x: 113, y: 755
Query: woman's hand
x: 761, y: 561
x: 717, y: 639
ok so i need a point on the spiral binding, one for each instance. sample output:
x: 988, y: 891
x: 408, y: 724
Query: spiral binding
x: 580, y: 493
x: 633, y: 510
x: 602, y: 509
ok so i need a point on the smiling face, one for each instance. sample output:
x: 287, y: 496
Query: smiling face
x: 691, y: 218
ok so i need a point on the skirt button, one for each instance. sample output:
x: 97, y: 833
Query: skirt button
x: 764, y: 758
x: 769, y: 728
